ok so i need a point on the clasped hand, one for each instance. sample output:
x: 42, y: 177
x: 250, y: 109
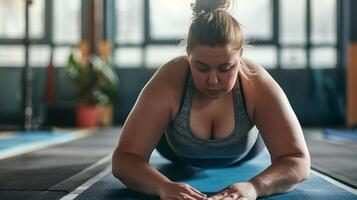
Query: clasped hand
x: 238, y: 191
x: 178, y: 191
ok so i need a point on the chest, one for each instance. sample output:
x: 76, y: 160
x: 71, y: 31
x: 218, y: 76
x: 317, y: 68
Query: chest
x: 214, y: 120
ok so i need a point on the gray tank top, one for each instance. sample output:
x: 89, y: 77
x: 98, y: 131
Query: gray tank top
x: 235, y: 146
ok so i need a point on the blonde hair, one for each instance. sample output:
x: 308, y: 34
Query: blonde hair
x: 212, y: 25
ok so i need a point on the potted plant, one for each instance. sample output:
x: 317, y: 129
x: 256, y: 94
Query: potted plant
x: 96, y: 83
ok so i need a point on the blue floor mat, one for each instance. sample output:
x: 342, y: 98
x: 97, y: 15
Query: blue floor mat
x: 29, y: 139
x: 341, y: 134
x: 210, y: 181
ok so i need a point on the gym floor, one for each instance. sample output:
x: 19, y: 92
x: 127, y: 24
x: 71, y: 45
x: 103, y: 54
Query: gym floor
x: 72, y: 164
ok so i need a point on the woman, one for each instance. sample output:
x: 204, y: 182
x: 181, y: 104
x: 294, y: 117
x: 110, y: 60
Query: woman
x: 205, y: 109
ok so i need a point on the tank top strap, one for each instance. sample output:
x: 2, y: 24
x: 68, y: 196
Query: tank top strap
x: 181, y: 116
x: 241, y: 108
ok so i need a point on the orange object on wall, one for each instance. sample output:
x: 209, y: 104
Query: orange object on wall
x: 352, y: 85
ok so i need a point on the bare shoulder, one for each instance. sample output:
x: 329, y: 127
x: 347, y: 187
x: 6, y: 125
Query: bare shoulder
x: 173, y: 72
x: 257, y: 85
x: 258, y: 76
x: 152, y: 111
x: 169, y: 80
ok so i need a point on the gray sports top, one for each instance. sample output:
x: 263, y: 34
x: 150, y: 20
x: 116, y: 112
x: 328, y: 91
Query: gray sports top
x: 235, y: 146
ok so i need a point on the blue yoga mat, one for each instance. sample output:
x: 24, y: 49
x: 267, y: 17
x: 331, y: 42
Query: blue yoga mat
x: 209, y: 181
x: 350, y: 135
x: 30, y: 139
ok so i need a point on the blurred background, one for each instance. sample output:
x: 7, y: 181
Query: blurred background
x: 308, y: 46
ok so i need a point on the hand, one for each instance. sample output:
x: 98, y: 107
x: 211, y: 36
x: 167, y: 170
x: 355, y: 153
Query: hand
x: 178, y: 191
x: 238, y: 191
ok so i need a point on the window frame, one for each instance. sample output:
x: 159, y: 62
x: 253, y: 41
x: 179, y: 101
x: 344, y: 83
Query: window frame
x: 274, y: 41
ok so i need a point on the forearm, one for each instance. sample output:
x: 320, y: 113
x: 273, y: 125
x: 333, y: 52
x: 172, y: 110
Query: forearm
x: 137, y: 174
x: 282, y: 176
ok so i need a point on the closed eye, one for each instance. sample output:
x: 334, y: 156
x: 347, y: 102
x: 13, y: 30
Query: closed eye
x: 225, y: 68
x: 202, y: 67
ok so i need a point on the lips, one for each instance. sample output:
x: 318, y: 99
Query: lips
x: 213, y: 90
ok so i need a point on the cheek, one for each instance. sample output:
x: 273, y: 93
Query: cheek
x: 199, y: 80
x: 230, y: 82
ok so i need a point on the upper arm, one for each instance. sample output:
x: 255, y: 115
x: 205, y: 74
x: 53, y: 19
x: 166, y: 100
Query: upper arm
x: 151, y: 113
x: 275, y: 118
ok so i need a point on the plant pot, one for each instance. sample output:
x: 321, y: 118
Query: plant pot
x: 86, y: 116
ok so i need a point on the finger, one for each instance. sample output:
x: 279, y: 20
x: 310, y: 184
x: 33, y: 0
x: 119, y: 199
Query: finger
x: 198, y: 196
x: 187, y: 197
x: 198, y: 193
x: 218, y: 196
x: 232, y: 196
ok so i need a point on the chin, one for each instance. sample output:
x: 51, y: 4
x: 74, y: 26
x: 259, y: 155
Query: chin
x: 214, y: 96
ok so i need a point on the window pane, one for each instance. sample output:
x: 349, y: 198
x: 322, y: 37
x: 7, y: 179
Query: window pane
x: 67, y: 21
x: 61, y: 54
x: 12, y: 56
x: 164, y: 20
x: 323, y: 21
x: 293, y: 58
x: 156, y: 56
x: 263, y: 55
x: 129, y: 57
x: 323, y: 58
x: 37, y: 19
x: 12, y: 19
x: 292, y: 22
x: 256, y: 18
x: 129, y: 19
x: 39, y: 55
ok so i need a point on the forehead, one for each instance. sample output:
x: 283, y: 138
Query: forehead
x: 217, y: 54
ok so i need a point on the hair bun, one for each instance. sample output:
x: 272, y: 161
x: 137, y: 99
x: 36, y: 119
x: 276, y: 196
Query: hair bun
x: 204, y: 6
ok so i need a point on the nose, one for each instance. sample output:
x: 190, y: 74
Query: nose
x: 212, y: 79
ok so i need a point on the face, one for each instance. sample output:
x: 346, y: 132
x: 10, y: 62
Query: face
x: 214, y: 69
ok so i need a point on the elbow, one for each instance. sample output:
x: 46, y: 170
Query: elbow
x: 302, y: 174
x: 116, y: 165
x: 304, y: 168
x: 306, y: 171
x: 299, y: 170
x: 115, y: 172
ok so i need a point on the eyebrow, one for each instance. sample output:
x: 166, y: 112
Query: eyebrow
x: 223, y: 64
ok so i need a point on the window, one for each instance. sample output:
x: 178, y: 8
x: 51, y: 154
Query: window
x: 256, y: 18
x: 129, y: 56
x: 323, y: 57
x: 67, y: 21
x: 37, y: 17
x: 12, y: 19
x: 129, y: 21
x: 263, y: 55
x: 66, y: 32
x: 292, y: 22
x: 39, y: 55
x: 159, y: 19
x: 323, y: 22
x: 308, y: 27
x: 164, y: 20
x: 292, y: 58
x: 12, y: 55
x: 158, y: 55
